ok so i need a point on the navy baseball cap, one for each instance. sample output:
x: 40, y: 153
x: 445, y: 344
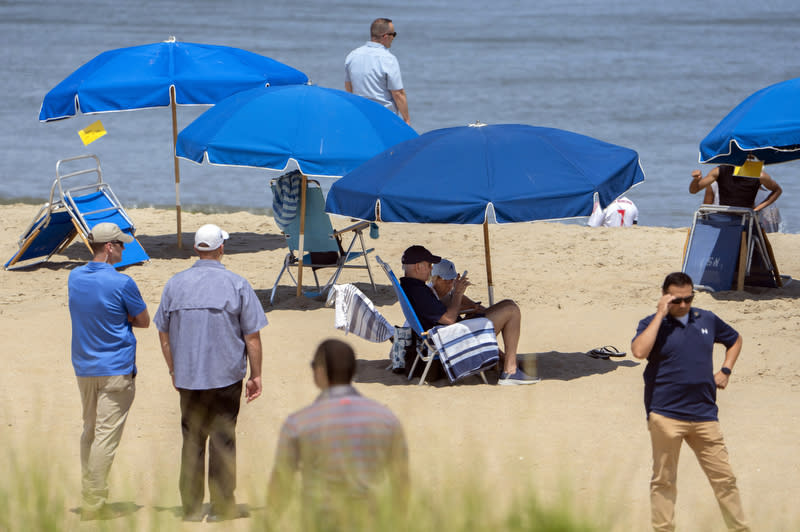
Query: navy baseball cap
x: 417, y: 254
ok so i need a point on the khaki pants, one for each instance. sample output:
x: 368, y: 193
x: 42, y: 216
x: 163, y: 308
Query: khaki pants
x: 705, y: 439
x: 106, y: 401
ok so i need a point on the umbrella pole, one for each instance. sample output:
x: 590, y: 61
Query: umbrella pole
x: 488, y: 261
x: 177, y: 167
x: 303, y: 185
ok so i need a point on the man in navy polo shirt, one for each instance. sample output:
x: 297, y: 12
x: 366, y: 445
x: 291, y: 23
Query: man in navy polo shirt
x: 104, y: 305
x: 680, y: 394
x: 505, y: 316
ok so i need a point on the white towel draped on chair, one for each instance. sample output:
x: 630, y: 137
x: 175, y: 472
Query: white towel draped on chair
x: 356, y: 314
x: 466, y: 347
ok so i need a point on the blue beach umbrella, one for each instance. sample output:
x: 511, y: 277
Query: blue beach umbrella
x: 474, y: 174
x: 162, y: 75
x: 766, y: 124
x: 327, y: 132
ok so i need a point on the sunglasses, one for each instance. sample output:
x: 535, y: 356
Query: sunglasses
x: 679, y: 300
x: 118, y: 242
x: 393, y: 34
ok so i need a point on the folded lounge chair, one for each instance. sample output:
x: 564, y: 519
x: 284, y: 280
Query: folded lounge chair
x: 726, y: 249
x: 323, y: 247
x: 465, y: 348
x: 72, y: 211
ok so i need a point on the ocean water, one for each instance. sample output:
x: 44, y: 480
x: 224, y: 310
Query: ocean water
x: 652, y: 76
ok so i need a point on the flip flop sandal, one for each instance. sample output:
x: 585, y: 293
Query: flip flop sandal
x: 596, y: 353
x: 607, y: 351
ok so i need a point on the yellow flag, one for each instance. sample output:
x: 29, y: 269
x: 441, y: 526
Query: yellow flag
x: 749, y: 169
x: 92, y: 132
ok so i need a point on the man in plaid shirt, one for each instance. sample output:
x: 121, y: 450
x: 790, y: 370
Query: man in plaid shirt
x: 349, y: 450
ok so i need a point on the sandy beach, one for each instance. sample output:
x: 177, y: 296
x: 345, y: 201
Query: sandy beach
x: 582, y: 429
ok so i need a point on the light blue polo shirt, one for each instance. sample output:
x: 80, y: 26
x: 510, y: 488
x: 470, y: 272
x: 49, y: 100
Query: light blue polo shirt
x: 100, y: 301
x: 374, y: 72
x: 207, y: 310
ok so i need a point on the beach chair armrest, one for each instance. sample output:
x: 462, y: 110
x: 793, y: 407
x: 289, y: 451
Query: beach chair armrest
x: 360, y: 226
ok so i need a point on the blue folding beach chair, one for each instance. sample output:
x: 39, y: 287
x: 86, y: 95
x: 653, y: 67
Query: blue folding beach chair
x: 483, y: 355
x: 74, y: 211
x: 322, y: 245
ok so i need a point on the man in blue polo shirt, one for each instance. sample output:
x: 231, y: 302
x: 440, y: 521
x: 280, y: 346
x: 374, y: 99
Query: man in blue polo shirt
x: 103, y: 306
x: 680, y: 398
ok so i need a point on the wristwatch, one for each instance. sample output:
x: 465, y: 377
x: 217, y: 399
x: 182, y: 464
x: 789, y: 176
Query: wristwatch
x: 726, y: 371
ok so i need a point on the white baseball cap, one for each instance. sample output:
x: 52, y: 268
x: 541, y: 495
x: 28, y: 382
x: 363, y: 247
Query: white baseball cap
x: 444, y: 269
x: 209, y: 237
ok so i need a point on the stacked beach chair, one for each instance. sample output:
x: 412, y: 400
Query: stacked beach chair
x: 72, y: 210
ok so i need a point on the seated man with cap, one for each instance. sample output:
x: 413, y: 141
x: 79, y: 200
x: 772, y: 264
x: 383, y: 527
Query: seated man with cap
x: 443, y: 279
x: 417, y: 265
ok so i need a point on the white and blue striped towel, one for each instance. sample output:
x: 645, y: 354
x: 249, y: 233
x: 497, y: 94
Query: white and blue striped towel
x: 356, y: 314
x: 466, y: 347
x: 286, y: 198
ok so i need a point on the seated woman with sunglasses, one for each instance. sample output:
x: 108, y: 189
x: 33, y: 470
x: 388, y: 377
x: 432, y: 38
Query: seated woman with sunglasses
x: 443, y: 279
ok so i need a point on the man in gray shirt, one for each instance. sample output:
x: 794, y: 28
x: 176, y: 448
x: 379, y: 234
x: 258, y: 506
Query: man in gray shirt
x: 209, y: 323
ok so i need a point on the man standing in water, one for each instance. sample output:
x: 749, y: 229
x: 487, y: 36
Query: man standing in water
x: 373, y: 72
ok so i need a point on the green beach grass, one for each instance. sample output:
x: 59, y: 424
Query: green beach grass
x: 36, y: 494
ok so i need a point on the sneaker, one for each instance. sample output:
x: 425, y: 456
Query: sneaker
x: 519, y: 377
